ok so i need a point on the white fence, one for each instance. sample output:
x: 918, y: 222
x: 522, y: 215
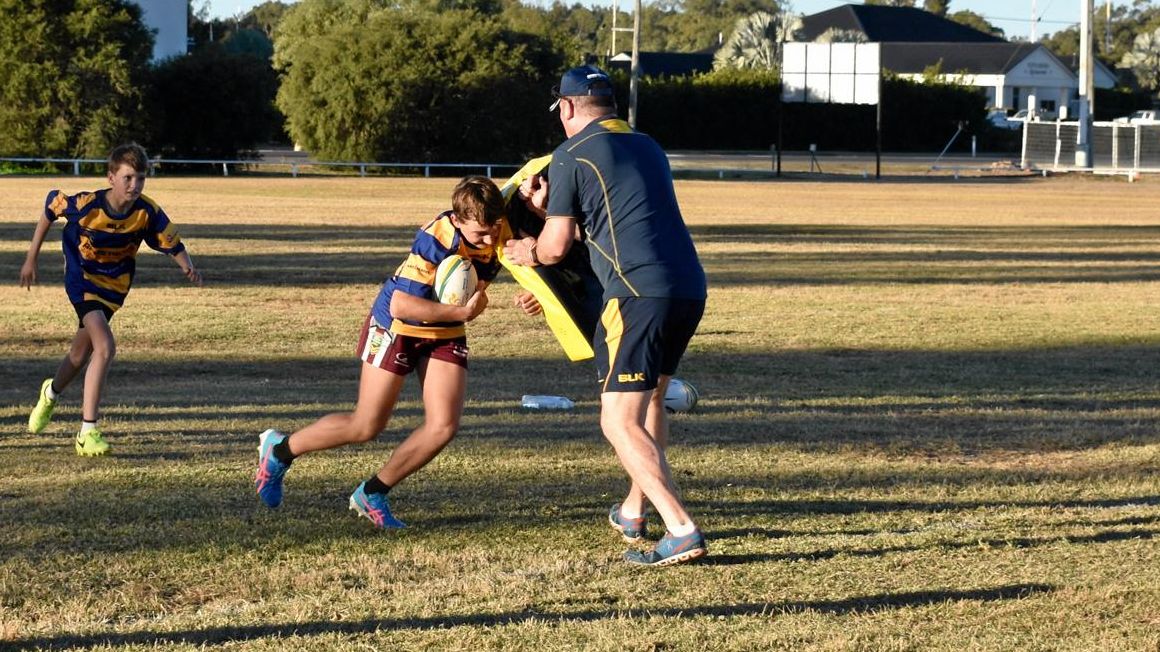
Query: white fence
x: 293, y: 166
x: 1116, y: 148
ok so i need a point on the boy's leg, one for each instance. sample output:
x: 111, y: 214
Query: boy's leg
x: 378, y: 391
x: 444, y: 385
x: 74, y: 361
x: 444, y: 388
x: 102, y: 347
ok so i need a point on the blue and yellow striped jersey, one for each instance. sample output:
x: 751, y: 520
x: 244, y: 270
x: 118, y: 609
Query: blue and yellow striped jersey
x: 437, y: 240
x: 100, y: 246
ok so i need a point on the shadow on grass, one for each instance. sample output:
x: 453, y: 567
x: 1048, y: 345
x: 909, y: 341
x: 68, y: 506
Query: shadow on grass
x: 972, y: 255
x: 838, y: 607
x: 1108, y: 536
x: 1040, y: 400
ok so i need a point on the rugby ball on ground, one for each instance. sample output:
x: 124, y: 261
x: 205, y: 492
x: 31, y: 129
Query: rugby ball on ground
x: 680, y: 396
x: 455, y: 280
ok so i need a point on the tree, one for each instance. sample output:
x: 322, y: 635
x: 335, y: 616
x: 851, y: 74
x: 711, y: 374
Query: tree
x: 213, y: 103
x: 976, y: 21
x: 265, y: 17
x: 937, y: 7
x: 839, y: 35
x: 756, y: 41
x: 1144, y: 59
x: 367, y: 80
x: 71, y: 77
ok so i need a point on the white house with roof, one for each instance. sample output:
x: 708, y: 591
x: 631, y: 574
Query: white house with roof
x: 912, y: 41
x: 1009, y: 73
x: 169, y: 22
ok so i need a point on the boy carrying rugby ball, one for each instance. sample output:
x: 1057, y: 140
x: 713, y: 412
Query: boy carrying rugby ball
x: 407, y: 330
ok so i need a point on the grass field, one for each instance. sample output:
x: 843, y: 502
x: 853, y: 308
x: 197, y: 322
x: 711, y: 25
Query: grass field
x: 930, y: 420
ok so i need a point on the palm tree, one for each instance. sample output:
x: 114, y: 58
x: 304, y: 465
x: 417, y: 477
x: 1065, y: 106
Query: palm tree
x: 756, y: 41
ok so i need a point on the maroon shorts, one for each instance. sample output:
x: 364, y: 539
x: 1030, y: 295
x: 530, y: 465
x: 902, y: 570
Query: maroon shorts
x: 402, y: 354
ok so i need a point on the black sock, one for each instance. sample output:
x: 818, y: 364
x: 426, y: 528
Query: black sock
x: 376, y: 486
x: 282, y: 452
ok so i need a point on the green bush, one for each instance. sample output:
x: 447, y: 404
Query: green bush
x: 212, y: 104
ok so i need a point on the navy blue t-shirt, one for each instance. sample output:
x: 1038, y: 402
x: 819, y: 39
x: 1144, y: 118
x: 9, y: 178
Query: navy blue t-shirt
x: 617, y: 185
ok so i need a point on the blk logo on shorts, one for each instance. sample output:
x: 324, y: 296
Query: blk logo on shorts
x: 637, y: 377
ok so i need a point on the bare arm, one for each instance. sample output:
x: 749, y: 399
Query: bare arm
x: 556, y: 238
x: 413, y: 308
x: 28, y: 270
x: 187, y: 268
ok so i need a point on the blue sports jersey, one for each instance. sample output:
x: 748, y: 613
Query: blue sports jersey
x: 416, y: 276
x: 100, y: 246
x: 616, y: 183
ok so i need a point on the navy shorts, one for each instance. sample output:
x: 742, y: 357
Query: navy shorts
x: 83, y: 308
x: 639, y: 339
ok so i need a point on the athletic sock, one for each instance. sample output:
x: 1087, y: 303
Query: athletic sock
x: 282, y: 452
x: 376, y: 486
x: 683, y: 530
x: 87, y: 426
x: 50, y: 393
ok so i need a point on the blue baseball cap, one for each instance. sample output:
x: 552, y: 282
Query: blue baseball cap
x: 580, y: 81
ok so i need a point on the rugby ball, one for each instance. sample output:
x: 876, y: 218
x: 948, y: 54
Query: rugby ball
x: 455, y: 280
x: 681, y: 396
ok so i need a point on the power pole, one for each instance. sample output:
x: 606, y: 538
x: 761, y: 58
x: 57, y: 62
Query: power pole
x: 1108, y: 28
x: 1083, y: 146
x: 634, y: 84
x: 1034, y: 20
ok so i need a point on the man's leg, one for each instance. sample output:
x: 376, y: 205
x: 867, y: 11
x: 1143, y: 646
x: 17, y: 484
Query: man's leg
x: 657, y: 424
x: 622, y: 419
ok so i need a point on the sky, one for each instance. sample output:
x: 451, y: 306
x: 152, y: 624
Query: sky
x: 1012, y: 16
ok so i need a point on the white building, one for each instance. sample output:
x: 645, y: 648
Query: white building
x: 1010, y: 73
x: 169, y: 22
x: 913, y: 41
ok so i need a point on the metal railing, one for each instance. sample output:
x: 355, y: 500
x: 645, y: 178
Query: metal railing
x: 1115, y: 148
x: 294, y: 165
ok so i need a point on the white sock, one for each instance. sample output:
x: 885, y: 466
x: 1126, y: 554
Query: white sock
x: 87, y: 426
x: 683, y: 529
x: 624, y: 513
x: 49, y: 393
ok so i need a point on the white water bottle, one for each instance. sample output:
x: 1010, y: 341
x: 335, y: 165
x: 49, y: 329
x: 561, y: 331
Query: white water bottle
x: 542, y: 402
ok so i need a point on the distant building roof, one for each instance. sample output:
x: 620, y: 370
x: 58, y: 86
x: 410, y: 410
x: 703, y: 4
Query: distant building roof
x: 882, y: 24
x: 975, y: 58
x: 669, y: 64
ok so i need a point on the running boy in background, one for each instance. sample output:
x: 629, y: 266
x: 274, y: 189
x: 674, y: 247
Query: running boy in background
x: 102, y: 232
x: 407, y: 330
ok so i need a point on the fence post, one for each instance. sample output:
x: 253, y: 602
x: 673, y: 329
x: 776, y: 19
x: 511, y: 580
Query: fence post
x: 76, y: 168
x: 294, y: 170
x: 362, y: 170
x: 427, y: 171
x: 225, y: 169
x: 1136, y: 158
x: 1115, y: 146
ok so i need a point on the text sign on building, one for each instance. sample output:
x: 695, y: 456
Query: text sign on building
x: 840, y: 73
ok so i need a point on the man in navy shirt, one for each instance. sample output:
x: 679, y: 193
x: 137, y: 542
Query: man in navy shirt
x: 612, y: 187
